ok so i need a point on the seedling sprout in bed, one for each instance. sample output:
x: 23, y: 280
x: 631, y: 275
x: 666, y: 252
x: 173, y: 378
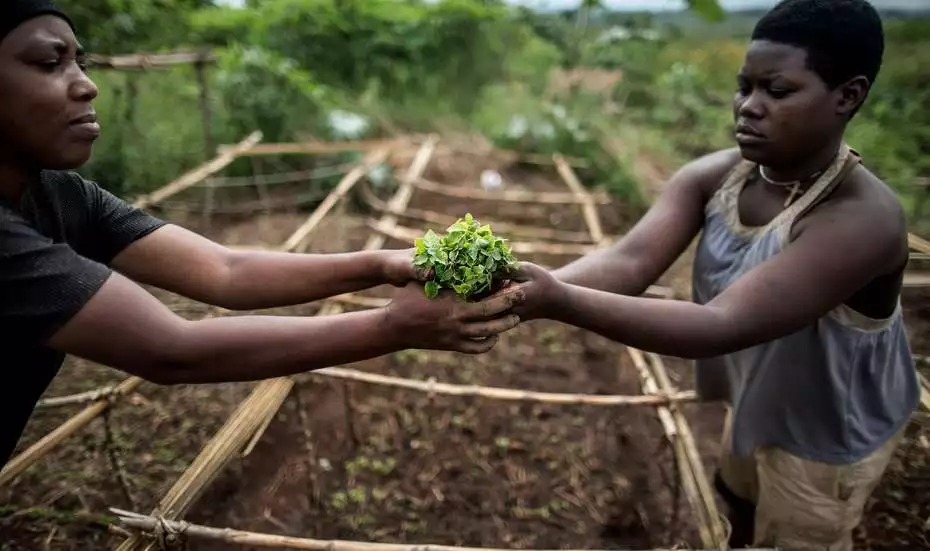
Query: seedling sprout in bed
x: 469, y: 259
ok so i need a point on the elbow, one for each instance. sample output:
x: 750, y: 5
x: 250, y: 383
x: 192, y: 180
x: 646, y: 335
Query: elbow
x: 221, y: 289
x: 170, y: 361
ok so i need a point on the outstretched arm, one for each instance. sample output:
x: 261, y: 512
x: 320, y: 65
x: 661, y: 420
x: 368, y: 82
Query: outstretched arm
x: 124, y: 327
x: 641, y: 256
x: 828, y: 263
x: 172, y: 258
x: 191, y: 265
x: 51, y: 296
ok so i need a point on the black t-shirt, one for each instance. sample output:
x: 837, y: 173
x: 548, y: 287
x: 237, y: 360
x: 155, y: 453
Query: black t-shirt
x: 55, y: 251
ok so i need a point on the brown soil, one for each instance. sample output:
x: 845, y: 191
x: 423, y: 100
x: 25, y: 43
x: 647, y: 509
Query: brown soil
x: 380, y: 464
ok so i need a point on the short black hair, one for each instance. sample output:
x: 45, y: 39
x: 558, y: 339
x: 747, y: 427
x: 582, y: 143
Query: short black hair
x: 843, y: 38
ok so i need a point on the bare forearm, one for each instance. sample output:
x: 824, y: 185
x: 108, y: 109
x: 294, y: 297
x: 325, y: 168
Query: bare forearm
x: 669, y: 327
x: 246, y: 348
x: 607, y: 270
x: 261, y: 279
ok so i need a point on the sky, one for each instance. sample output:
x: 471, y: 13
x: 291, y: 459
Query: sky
x: 665, y: 5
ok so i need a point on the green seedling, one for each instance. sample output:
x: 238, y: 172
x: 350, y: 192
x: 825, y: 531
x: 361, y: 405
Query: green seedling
x: 468, y: 259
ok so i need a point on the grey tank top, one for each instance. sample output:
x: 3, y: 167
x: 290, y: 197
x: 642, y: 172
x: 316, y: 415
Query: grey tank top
x: 833, y: 391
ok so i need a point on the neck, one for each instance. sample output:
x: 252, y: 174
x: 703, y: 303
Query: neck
x: 14, y: 179
x: 804, y: 168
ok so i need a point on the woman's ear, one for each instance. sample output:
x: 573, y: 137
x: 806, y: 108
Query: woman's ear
x: 851, y: 95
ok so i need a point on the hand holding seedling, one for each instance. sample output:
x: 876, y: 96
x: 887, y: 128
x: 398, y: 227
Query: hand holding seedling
x: 469, y: 260
x: 398, y: 269
x: 446, y: 322
x: 544, y: 295
x: 459, y: 270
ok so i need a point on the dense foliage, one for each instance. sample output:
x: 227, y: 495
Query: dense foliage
x: 286, y: 66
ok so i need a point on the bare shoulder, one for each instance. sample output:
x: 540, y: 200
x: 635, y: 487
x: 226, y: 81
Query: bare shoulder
x: 872, y: 211
x: 875, y: 202
x: 708, y: 172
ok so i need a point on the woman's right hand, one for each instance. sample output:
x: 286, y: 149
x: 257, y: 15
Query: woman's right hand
x: 451, y: 323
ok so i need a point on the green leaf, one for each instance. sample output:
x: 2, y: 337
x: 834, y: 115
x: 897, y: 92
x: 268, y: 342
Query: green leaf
x: 465, y: 259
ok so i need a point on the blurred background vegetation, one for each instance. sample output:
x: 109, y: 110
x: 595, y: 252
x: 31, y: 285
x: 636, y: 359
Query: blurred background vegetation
x: 656, y: 84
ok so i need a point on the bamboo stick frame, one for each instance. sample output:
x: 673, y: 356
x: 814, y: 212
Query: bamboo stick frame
x: 409, y: 235
x: 690, y: 459
x: 654, y: 380
x: 588, y: 209
x: 501, y: 227
x: 144, y: 61
x: 79, y: 398
x: 518, y: 247
x: 247, y: 423
x: 508, y: 196
x: 290, y: 177
x: 507, y: 155
x: 299, y: 148
x: 51, y: 440
x: 314, y: 148
x: 256, y: 412
x: 916, y: 279
x: 431, y: 386
x: 175, y: 533
x: 200, y: 173
x: 918, y: 243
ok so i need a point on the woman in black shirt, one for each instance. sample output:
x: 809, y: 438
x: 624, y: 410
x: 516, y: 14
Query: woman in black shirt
x: 71, y: 255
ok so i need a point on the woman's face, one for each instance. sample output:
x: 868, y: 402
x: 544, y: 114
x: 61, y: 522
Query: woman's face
x: 46, y: 117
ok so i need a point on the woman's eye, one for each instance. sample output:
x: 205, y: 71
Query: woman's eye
x: 49, y: 64
x: 778, y: 93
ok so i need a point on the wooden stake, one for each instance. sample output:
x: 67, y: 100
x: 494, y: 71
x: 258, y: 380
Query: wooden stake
x: 914, y: 279
x: 340, y: 191
x: 692, y: 460
x: 184, y: 530
x: 673, y: 421
x: 587, y: 203
x: 657, y: 398
x: 246, y: 423
x: 410, y: 235
x: 508, y: 196
x: 51, y: 440
x: 314, y: 148
x: 499, y: 226
x: 198, y: 174
x: 141, y: 61
x: 918, y: 243
x: 80, y: 398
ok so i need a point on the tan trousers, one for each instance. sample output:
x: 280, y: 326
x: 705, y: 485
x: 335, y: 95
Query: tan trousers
x: 803, y: 505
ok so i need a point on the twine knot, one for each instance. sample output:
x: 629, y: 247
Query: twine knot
x: 170, y: 535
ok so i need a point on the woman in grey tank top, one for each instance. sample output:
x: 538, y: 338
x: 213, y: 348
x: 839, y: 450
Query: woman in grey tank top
x: 796, y: 320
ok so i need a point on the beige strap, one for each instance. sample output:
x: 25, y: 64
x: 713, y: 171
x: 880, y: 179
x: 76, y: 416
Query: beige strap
x: 832, y: 178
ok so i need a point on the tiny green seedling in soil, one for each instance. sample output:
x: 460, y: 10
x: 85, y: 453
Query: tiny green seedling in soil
x: 467, y: 259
